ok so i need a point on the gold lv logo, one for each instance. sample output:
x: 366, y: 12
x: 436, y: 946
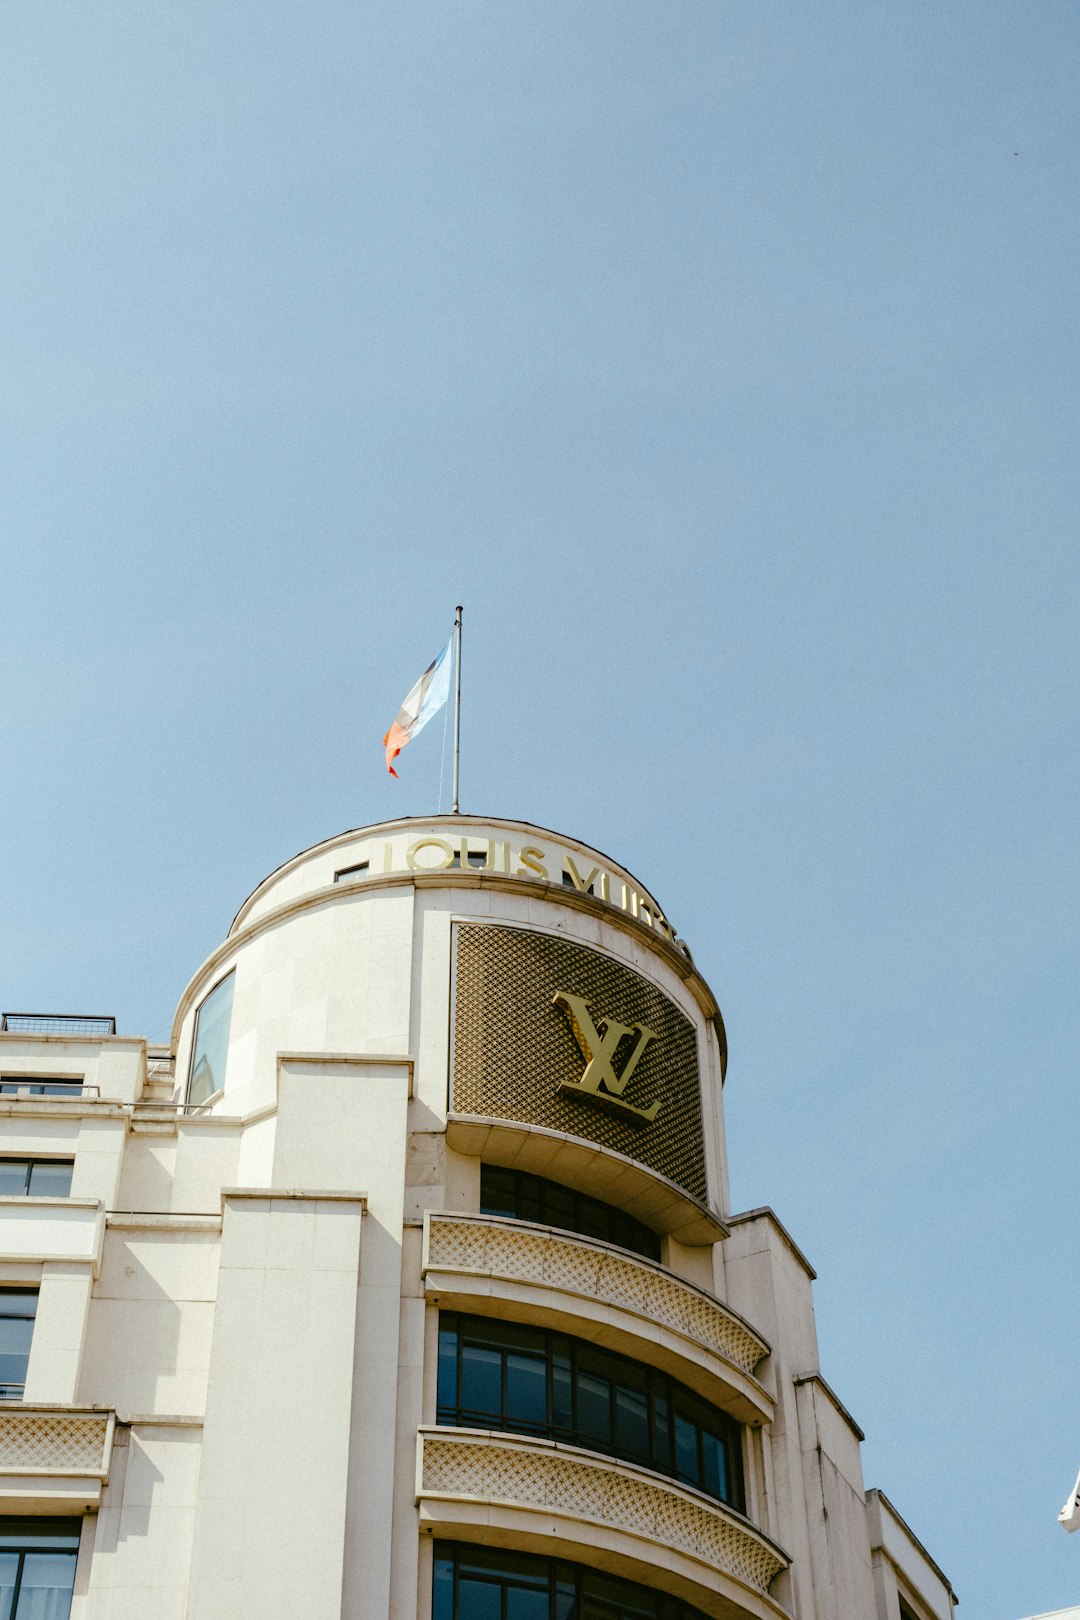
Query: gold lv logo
x: 598, y: 1049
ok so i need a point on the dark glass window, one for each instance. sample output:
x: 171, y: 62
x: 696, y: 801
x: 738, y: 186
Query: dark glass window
x: 37, y: 1568
x: 486, y: 1583
x: 527, y: 1380
x: 532, y: 1198
x: 35, y: 1178
x: 210, y: 1047
x: 18, y: 1307
x: 11, y: 1085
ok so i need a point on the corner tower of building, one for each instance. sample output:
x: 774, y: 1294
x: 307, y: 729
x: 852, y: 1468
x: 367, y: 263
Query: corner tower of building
x: 411, y: 1284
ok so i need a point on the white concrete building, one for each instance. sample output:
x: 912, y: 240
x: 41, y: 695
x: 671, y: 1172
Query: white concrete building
x: 405, y: 1282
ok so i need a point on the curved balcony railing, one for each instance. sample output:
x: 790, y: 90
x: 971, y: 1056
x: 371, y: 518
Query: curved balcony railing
x: 535, y: 1493
x: 596, y: 1274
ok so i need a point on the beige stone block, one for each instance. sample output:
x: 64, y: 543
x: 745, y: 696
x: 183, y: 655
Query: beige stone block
x: 336, y: 1238
x: 290, y: 1235
x: 246, y: 1233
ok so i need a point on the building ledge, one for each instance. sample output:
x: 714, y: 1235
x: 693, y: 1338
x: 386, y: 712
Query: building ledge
x: 892, y: 1535
x: 54, y: 1459
x: 544, y: 1497
x: 833, y: 1398
x: 598, y: 1171
x: 765, y: 1213
x: 37, y: 1230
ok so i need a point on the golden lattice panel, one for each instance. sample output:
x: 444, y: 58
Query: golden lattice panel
x: 52, y: 1442
x: 534, y: 1477
x: 513, y: 1048
x: 520, y: 1255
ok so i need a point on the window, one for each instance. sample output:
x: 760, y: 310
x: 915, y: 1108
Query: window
x: 507, y: 1375
x: 486, y: 1583
x: 359, y: 870
x: 14, y: 1085
x: 37, y: 1567
x: 35, y: 1178
x: 18, y: 1307
x: 210, y: 1047
x: 532, y: 1198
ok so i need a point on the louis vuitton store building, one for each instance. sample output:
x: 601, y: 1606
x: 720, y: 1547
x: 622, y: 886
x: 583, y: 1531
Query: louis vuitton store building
x: 405, y: 1282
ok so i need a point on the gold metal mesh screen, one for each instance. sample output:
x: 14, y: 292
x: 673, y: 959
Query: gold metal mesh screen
x: 513, y: 1047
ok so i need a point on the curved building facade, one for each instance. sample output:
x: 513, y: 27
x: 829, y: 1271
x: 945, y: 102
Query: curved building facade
x: 405, y: 1282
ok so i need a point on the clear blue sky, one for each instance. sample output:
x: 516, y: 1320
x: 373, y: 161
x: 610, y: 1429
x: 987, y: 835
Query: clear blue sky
x: 722, y: 359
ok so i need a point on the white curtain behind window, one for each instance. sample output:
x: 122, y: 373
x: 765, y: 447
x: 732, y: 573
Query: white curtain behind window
x: 47, y: 1581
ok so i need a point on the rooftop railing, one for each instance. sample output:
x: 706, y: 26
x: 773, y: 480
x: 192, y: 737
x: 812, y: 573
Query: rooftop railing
x: 13, y: 1023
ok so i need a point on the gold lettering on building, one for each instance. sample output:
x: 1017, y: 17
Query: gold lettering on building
x: 502, y: 857
x: 585, y: 885
x: 598, y: 1042
x: 412, y: 855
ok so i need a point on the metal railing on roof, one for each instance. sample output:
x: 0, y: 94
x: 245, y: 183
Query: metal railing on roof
x: 13, y: 1023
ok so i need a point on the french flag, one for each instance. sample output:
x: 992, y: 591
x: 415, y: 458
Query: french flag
x: 426, y: 698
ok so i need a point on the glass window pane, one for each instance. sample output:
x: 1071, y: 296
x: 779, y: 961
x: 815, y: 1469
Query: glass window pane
x: 526, y: 1390
x: 9, y: 1567
x: 594, y: 1410
x: 497, y: 1191
x: 478, y: 1600
x: 565, y: 1592
x: 559, y: 1206
x: 631, y: 1423
x: 686, y: 1451
x: 713, y: 1472
x: 605, y: 1597
x: 13, y: 1177
x: 562, y: 1394
x: 15, y: 1335
x: 594, y: 1219
x: 448, y: 1348
x: 481, y: 1381
x: 47, y: 1580
x: 211, y: 1045
x: 18, y: 1301
x: 525, y: 1604
x: 528, y: 1199
x: 53, y: 1535
x: 661, y: 1431
x: 442, y: 1590
x: 50, y: 1180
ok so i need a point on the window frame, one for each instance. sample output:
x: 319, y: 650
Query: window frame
x: 216, y: 1092
x: 554, y: 1577
x: 42, y: 1085
x: 580, y: 1378
x: 19, y: 1316
x: 32, y: 1162
x: 38, y: 1530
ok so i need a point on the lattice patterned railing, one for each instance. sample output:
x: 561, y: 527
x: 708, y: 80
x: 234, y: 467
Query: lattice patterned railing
x: 523, y: 1254
x: 54, y: 1442
x: 517, y: 1473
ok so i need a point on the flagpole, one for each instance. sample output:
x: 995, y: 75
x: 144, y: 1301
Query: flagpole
x: 457, y: 706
